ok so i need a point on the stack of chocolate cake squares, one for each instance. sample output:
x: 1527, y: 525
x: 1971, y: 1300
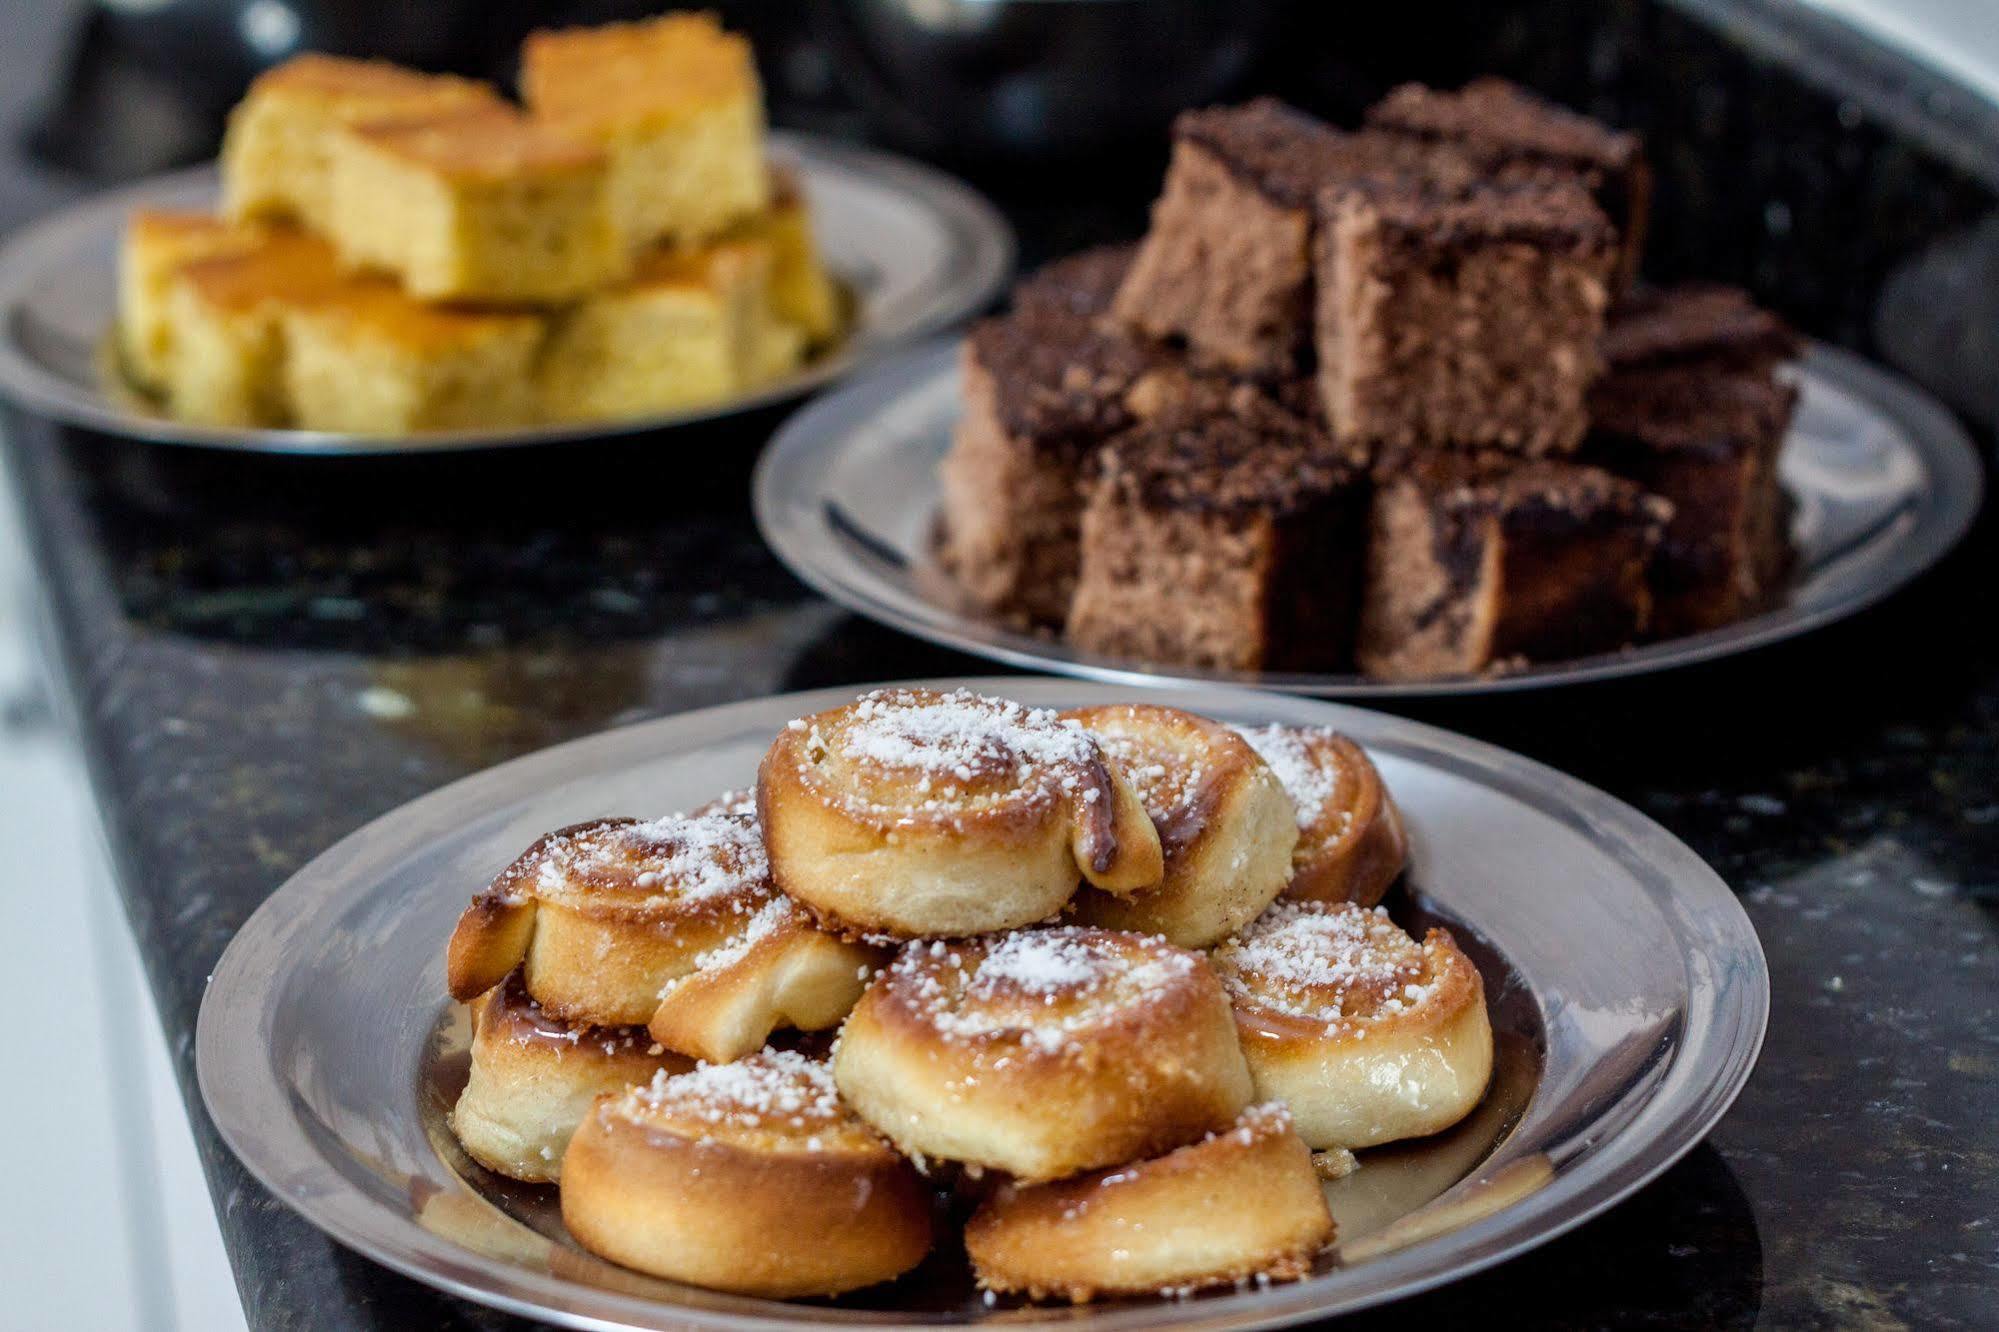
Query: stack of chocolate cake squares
x: 1381, y: 399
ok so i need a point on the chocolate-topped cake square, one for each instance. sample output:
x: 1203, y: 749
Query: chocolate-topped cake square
x: 1479, y: 560
x: 1460, y: 316
x: 1514, y: 135
x: 1226, y: 265
x: 1222, y: 539
x: 1707, y: 439
x: 1081, y: 285
x: 1043, y: 388
x: 1696, y: 323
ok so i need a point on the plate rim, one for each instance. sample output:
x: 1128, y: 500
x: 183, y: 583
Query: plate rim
x: 1941, y: 517
x: 988, y: 239
x: 232, y: 1045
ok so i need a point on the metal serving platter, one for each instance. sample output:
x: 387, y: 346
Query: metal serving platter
x: 1628, y: 994
x: 1884, y: 479
x: 917, y: 251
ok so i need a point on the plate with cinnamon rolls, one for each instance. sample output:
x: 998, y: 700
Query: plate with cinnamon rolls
x: 1011, y: 998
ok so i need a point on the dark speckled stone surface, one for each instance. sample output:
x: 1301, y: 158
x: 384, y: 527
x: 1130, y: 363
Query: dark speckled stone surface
x: 261, y: 655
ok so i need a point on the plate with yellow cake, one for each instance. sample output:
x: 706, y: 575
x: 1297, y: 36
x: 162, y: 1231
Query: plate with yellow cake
x: 1008, y: 1000
x: 385, y: 260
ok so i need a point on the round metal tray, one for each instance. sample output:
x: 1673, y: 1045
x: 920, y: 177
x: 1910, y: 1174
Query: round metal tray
x: 917, y: 250
x: 1628, y: 993
x: 1884, y: 480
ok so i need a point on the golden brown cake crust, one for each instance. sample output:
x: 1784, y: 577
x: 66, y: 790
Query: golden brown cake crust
x: 615, y: 71
x: 481, y: 144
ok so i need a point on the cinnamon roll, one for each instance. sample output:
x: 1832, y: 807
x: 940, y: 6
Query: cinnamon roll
x: 618, y: 922
x: 1043, y: 1053
x: 749, y: 1177
x: 534, y: 1077
x: 1368, y: 1035
x: 1226, y: 827
x: 1351, y: 843
x: 1240, y: 1204
x: 915, y: 814
x: 777, y: 970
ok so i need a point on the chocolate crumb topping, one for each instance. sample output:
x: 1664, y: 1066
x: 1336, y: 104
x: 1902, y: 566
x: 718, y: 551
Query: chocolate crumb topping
x: 1548, y: 494
x: 1252, y: 457
x: 1080, y: 285
x: 1060, y: 380
x: 1692, y: 408
x: 1702, y: 321
x: 1498, y: 122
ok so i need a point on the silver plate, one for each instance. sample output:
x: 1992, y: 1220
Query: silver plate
x: 1629, y: 994
x: 846, y: 494
x: 918, y: 250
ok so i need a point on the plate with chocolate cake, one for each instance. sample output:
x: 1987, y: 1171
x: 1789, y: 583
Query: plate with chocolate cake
x: 1372, y: 411
x: 384, y: 259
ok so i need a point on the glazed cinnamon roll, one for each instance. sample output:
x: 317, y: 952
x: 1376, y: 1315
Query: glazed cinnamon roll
x: 1043, y: 1052
x: 1351, y: 844
x: 1240, y: 1204
x: 1368, y: 1035
x: 1226, y: 827
x: 749, y: 1177
x: 534, y: 1077
x: 915, y: 814
x: 613, y: 920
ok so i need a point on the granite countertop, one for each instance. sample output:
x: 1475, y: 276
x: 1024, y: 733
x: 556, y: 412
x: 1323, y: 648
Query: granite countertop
x: 259, y: 655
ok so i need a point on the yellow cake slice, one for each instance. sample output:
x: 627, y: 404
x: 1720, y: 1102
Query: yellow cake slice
x: 156, y: 244
x: 370, y: 360
x: 275, y: 157
x: 692, y: 326
x: 481, y: 205
x: 677, y: 103
x: 227, y: 316
x: 801, y: 292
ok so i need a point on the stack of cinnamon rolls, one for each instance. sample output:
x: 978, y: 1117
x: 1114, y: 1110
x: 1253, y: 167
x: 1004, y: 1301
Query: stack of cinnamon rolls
x: 1109, y: 989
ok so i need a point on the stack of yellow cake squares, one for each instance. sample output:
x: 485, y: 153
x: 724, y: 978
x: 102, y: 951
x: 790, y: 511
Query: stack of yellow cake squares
x: 401, y: 252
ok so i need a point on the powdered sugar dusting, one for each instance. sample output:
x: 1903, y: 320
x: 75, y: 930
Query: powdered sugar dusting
x: 1309, y: 775
x: 684, y: 859
x: 770, y: 1089
x: 1043, y: 987
x: 1325, y: 961
x: 1164, y: 788
x: 765, y: 922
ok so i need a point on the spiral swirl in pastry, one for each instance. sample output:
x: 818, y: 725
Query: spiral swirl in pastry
x: 1043, y: 1052
x: 1239, y: 1204
x: 1351, y: 843
x: 1368, y: 1035
x: 615, y: 920
x: 916, y: 814
x: 533, y: 1078
x: 1226, y: 826
x: 749, y: 1177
